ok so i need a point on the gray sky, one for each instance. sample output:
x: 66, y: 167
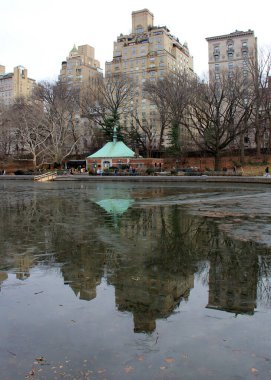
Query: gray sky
x: 39, y: 34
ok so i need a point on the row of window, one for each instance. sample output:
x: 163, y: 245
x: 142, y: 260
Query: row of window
x: 230, y: 47
x: 230, y: 73
x: 231, y: 56
x: 231, y: 65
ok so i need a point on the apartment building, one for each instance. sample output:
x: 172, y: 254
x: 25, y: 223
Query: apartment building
x: 230, y: 51
x: 149, y: 52
x: 15, y: 84
x: 80, y: 67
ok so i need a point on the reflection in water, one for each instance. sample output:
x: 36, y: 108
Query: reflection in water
x: 233, y: 281
x: 115, y: 206
x: 3, y: 277
x: 123, y: 281
x: 150, y: 255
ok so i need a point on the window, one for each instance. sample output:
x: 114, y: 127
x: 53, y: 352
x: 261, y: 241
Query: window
x: 142, y: 49
x: 139, y: 29
x: 230, y: 65
x: 230, y: 55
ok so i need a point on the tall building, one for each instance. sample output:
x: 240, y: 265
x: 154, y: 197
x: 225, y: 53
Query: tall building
x: 230, y: 51
x: 80, y: 66
x: 14, y: 85
x: 147, y: 53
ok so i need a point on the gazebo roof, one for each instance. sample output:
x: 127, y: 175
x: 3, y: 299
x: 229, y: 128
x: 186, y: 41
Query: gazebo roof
x: 113, y: 149
x: 115, y: 206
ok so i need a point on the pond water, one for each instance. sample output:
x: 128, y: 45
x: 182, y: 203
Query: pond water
x: 134, y: 281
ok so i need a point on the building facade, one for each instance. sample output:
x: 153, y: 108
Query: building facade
x: 149, y: 52
x: 230, y: 51
x: 80, y: 67
x: 15, y: 85
x: 234, y: 52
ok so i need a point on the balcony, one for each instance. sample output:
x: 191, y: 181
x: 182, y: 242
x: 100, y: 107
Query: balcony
x: 244, y: 49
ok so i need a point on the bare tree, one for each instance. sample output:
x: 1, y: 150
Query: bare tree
x: 171, y: 96
x: 106, y: 101
x: 29, y: 121
x: 62, y: 115
x: 260, y: 72
x: 157, y: 94
x: 219, y: 113
x: 144, y: 133
x: 6, y: 135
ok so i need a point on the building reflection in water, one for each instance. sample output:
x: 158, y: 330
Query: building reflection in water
x: 233, y: 283
x: 23, y: 264
x: 149, y: 299
x: 3, y: 277
x: 149, y: 254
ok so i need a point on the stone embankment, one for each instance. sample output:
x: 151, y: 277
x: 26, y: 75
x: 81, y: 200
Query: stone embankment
x: 157, y: 178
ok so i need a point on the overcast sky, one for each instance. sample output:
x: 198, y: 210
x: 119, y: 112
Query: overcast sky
x: 38, y: 34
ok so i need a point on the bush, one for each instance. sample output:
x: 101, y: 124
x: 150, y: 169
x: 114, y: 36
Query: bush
x: 150, y: 171
x: 19, y: 172
x: 237, y: 164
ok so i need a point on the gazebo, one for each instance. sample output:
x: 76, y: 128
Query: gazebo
x: 117, y: 154
x: 113, y: 153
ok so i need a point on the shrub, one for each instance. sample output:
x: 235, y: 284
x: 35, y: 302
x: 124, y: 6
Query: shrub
x: 150, y: 171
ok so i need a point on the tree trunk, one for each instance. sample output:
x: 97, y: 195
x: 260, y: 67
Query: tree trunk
x: 258, y: 140
x: 34, y: 161
x: 217, y: 162
x: 242, y: 148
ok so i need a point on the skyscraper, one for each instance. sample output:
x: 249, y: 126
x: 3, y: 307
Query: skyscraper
x: 80, y: 66
x: 230, y: 51
x: 15, y: 85
x: 149, y: 52
x: 235, y: 52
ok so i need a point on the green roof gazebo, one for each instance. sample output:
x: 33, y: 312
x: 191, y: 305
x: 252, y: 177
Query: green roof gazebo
x: 111, y: 154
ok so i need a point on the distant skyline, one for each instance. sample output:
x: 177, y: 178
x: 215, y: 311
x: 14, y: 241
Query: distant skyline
x: 39, y: 34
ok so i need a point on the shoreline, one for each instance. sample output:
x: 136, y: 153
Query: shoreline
x: 157, y: 178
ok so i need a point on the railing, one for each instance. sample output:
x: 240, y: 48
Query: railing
x: 49, y: 176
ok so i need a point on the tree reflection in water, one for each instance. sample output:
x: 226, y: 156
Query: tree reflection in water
x: 150, y: 255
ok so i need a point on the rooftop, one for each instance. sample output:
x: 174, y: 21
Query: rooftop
x: 237, y: 33
x: 113, y: 149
